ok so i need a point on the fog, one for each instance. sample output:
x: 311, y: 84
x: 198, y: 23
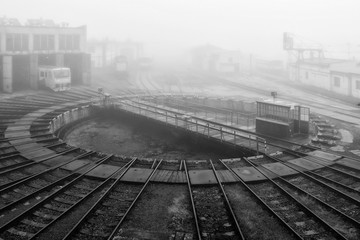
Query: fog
x: 168, y: 27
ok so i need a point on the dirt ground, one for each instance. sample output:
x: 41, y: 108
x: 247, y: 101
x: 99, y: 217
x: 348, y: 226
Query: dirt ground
x: 111, y: 135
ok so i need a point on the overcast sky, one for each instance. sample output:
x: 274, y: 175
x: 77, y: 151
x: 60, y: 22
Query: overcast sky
x: 254, y: 26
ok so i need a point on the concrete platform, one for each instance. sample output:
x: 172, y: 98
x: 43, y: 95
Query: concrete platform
x: 324, y: 155
x: 304, y: 163
x: 320, y: 161
x: 225, y: 176
x: 73, y: 166
x: 137, y: 175
x: 18, y: 128
x: 161, y: 176
x: 28, y: 147
x: 248, y: 174
x: 102, y: 171
x: 58, y: 160
x: 198, y: 177
x: 17, y: 134
x: 178, y: 177
x: 169, y: 176
x: 38, y: 154
x: 350, y: 163
x: 21, y: 141
x: 279, y: 169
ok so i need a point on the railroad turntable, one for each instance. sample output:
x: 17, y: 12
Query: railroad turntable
x: 188, y: 176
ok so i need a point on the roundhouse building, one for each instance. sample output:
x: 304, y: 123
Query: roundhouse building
x: 23, y: 48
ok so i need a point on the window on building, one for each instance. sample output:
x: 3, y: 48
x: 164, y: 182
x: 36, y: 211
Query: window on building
x: 62, y: 39
x: 336, y: 81
x: 44, y: 42
x: 25, y: 42
x: 357, y: 84
x: 9, y: 42
x: 36, y: 42
x: 17, y: 42
x: 51, y: 42
x: 69, y: 42
x: 76, y: 42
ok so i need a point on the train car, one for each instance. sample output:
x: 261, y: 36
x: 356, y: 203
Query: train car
x: 121, y: 67
x: 55, y: 78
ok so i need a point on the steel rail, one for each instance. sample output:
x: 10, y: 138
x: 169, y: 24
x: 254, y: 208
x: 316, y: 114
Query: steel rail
x: 197, y: 227
x: 32, y: 163
x: 306, y: 175
x: 16, y: 152
x: 343, y: 215
x: 303, y: 207
x: 233, y: 216
x: 70, y: 234
x: 101, y: 185
x: 133, y: 202
x: 17, y: 219
x: 341, y: 185
x: 51, y: 184
x: 267, y: 207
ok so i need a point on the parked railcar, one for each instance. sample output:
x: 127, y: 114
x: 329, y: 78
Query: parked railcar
x: 55, y: 78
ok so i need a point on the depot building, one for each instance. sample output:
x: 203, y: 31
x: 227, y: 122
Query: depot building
x: 23, y: 48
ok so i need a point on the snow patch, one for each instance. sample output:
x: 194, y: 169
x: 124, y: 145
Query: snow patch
x: 346, y: 136
x: 338, y: 149
x: 356, y: 152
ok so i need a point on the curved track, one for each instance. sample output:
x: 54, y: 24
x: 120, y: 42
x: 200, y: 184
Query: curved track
x: 40, y: 192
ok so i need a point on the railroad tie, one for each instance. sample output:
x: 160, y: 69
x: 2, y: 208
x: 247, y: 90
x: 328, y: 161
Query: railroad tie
x: 33, y: 223
x: 20, y: 233
x: 66, y: 201
x: 45, y: 215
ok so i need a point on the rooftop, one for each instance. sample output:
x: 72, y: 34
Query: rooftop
x: 346, y: 67
x: 323, y: 61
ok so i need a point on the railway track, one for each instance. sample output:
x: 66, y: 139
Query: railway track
x: 18, y: 173
x: 22, y: 190
x: 334, y: 177
x: 104, y: 219
x: 297, y: 217
x: 333, y: 197
x: 338, y: 177
x: 212, y: 211
x: 36, y: 194
x: 338, y: 219
x: 322, y: 196
x: 56, y: 205
x: 301, y: 219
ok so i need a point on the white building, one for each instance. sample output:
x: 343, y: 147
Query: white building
x: 345, y: 79
x: 335, y: 75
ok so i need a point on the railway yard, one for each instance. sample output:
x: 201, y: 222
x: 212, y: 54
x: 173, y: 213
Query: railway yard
x: 142, y: 167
